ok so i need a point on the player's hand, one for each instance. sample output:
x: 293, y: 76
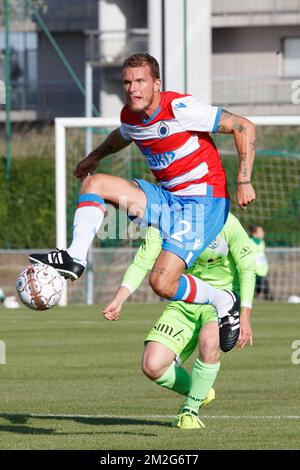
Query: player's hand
x: 112, y: 310
x: 245, y: 194
x: 86, y: 167
x: 246, y: 333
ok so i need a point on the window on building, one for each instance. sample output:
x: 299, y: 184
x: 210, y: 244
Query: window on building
x: 23, y: 68
x: 291, y: 57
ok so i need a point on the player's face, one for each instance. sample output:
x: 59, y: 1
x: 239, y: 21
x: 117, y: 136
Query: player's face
x: 260, y: 233
x: 140, y: 88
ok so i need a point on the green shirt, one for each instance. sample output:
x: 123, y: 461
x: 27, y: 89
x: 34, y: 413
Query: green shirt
x: 261, y: 262
x: 227, y: 263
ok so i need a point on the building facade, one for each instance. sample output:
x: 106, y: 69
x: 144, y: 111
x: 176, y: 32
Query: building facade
x: 41, y: 86
x: 243, y: 55
x: 256, y: 55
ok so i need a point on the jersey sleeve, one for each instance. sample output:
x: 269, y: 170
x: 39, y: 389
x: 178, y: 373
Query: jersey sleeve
x: 124, y: 132
x: 194, y: 116
x: 123, y: 129
x: 143, y: 261
x: 242, y: 253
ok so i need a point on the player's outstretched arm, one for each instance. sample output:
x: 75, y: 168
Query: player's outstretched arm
x: 242, y: 254
x: 112, y: 144
x: 135, y: 273
x: 245, y: 328
x: 239, y: 245
x: 112, y: 310
x: 244, y: 137
x: 144, y: 260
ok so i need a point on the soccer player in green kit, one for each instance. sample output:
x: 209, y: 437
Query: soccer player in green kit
x: 228, y: 263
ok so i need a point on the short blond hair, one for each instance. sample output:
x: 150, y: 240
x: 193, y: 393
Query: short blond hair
x: 142, y: 59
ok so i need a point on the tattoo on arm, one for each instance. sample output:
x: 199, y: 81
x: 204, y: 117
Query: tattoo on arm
x: 225, y: 115
x: 243, y: 169
x: 244, y: 140
x: 237, y: 125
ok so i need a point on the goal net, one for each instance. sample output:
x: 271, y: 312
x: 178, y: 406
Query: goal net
x: 276, y: 180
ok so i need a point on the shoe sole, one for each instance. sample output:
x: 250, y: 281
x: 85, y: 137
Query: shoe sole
x: 64, y: 272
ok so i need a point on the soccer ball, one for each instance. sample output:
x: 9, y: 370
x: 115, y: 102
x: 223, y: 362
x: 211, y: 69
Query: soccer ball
x: 39, y: 286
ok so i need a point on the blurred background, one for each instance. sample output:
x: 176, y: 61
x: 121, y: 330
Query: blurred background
x: 55, y: 54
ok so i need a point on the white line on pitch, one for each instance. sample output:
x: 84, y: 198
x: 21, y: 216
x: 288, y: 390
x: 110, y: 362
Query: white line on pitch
x: 54, y: 416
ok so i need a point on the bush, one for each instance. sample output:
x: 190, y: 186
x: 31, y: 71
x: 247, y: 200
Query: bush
x: 27, y: 204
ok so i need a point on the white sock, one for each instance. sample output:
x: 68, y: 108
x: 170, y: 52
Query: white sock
x: 193, y: 290
x: 87, y: 221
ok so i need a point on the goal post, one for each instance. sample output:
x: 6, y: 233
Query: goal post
x: 276, y: 181
x: 61, y: 125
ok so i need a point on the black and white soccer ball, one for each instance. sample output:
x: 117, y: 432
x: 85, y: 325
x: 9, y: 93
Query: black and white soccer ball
x: 39, y: 286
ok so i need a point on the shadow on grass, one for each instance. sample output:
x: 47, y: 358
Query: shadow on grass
x: 26, y: 430
x: 16, y: 429
x: 18, y: 424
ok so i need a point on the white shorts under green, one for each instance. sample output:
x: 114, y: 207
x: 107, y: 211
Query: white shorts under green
x: 179, y: 326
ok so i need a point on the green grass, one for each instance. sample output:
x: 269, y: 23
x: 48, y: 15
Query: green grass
x: 72, y: 362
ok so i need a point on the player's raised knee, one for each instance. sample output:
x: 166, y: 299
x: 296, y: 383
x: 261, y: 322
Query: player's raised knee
x: 162, y: 286
x: 93, y: 183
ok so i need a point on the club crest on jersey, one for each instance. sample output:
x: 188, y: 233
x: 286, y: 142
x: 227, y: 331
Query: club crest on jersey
x: 219, y: 245
x: 163, y: 130
x: 215, y: 243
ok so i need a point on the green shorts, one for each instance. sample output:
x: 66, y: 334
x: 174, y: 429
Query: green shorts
x: 179, y: 326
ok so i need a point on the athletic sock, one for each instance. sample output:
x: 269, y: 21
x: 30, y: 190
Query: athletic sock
x: 87, y: 221
x: 202, y: 379
x: 193, y: 290
x: 175, y: 378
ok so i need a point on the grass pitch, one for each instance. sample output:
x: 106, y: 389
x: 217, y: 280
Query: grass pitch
x: 72, y: 380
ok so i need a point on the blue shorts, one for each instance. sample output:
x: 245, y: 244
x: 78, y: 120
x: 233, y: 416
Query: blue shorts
x: 187, y: 224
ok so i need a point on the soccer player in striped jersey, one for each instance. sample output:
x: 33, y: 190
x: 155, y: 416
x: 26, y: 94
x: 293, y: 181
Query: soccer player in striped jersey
x: 190, y: 206
x: 227, y: 263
